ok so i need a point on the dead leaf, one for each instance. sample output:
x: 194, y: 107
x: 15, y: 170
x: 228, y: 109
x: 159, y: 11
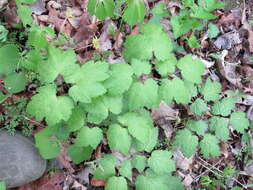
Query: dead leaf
x: 83, y: 175
x: 3, y: 3
x: 234, y: 17
x: 38, y: 7
x: 64, y: 159
x: 249, y: 28
x: 85, y: 31
x: 164, y: 112
x: 182, y: 162
x: 105, y: 37
x: 98, y: 182
x: 10, y: 16
x: 46, y: 183
x: 228, y: 70
x: 228, y: 40
x: 187, y: 180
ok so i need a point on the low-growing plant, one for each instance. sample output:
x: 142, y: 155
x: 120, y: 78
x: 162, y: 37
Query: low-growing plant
x: 110, y: 104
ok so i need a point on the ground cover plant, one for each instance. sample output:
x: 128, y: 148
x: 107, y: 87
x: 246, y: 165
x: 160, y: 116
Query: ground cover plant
x: 135, y: 93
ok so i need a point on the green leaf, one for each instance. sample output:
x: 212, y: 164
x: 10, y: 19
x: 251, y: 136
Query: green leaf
x: 209, y: 146
x: 183, y: 23
x: 199, y: 107
x: 166, y: 67
x: 200, y: 127
x: 161, y: 163
x: 192, y: 88
x: 211, y: 5
x: 76, y: 120
x: 15, y: 82
x: 161, y: 182
x: 126, y: 168
x: 99, y: 109
x: 220, y: 126
x: 2, y: 185
x: 149, y: 183
x: 9, y: 59
x: 160, y: 10
x: 180, y: 93
x: 223, y: 107
x: 25, y: 13
x: 201, y: 13
x: 211, y: 90
x: 55, y: 65
x: 79, y: 154
x: 120, y: 79
x: 89, y: 137
x: 138, y: 125
x: 47, y: 105
x: 135, y: 12
x: 106, y: 167
x: 139, y: 162
x: 47, y: 143
x: 140, y: 67
x: 152, y: 142
x: 37, y: 37
x: 166, y: 91
x: 32, y: 60
x: 193, y: 42
x: 191, y: 68
x: 155, y: 41
x: 88, y: 81
x: 239, y: 121
x: 186, y: 142
x: 123, y: 144
x: 173, y: 183
x: 143, y: 94
x: 213, y: 30
x: 115, y: 183
x: 101, y: 8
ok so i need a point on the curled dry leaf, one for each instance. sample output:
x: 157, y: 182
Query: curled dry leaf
x: 105, y: 43
x: 234, y: 17
x: 164, y: 112
x: 228, y: 71
x: 83, y: 175
x: 182, y: 162
x: 228, y: 40
x: 64, y: 159
x: 249, y: 28
x: 38, y: 7
x: 187, y: 180
x: 3, y: 3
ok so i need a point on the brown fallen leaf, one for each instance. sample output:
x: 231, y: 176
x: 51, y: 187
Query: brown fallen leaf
x: 47, y: 182
x: 64, y: 159
x: 10, y: 16
x: 98, y: 182
x: 249, y: 28
x: 228, y: 70
x: 164, y: 112
x: 38, y: 7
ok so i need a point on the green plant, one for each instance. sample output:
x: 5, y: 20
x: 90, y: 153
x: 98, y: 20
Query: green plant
x: 14, y: 117
x: 105, y: 101
x: 2, y: 185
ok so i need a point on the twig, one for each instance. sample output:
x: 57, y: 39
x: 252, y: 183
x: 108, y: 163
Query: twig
x: 35, y: 122
x: 196, y: 178
x: 234, y: 179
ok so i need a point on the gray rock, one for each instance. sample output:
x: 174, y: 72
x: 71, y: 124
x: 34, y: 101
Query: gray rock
x: 20, y: 162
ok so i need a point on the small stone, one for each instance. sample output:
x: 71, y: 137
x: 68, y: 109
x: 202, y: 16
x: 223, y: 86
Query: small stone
x: 20, y: 162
